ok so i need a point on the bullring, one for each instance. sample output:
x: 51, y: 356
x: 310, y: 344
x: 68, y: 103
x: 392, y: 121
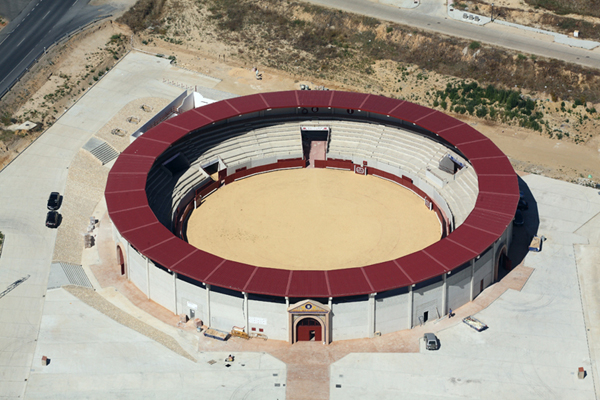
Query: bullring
x: 162, y: 175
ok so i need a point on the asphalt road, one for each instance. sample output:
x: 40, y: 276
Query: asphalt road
x: 36, y: 28
x: 490, y: 33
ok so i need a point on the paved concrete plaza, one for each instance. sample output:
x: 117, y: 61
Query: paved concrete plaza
x: 536, y: 339
x: 24, y: 188
x: 93, y: 357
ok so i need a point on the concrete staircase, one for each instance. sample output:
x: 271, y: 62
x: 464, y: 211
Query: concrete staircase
x: 62, y: 273
x: 101, y: 150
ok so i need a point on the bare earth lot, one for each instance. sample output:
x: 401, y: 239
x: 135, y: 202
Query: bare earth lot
x: 312, y: 219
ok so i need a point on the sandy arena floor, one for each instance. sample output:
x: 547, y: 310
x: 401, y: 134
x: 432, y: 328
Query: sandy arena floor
x: 312, y: 219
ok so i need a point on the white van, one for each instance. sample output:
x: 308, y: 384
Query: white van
x: 431, y: 341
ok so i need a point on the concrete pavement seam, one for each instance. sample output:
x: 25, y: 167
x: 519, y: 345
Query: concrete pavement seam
x: 587, y: 338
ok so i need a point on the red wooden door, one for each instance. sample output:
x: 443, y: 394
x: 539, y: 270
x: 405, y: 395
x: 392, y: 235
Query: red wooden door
x: 309, y: 329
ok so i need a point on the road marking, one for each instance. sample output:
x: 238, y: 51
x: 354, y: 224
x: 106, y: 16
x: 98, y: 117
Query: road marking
x: 20, y: 42
x: 46, y: 15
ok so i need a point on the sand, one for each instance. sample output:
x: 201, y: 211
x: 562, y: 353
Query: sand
x: 312, y: 219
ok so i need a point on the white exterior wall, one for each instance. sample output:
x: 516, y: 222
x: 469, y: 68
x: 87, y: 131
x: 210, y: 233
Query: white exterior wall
x: 484, y: 269
x: 117, y: 238
x: 429, y: 299
x: 226, y: 311
x: 459, y: 288
x: 275, y: 316
x: 161, y: 288
x: 137, y: 269
x: 350, y: 320
x: 391, y: 313
x: 186, y: 292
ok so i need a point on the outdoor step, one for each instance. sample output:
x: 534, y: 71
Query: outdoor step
x: 76, y: 274
x: 101, y: 150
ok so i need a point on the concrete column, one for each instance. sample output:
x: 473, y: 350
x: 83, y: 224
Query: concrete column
x: 472, y: 289
x: 127, y: 251
x: 445, y: 296
x: 329, y: 320
x: 371, y: 322
x: 208, y: 305
x: 410, y: 307
x: 247, y: 327
x: 175, y: 292
x: 290, y: 321
x: 148, y: 278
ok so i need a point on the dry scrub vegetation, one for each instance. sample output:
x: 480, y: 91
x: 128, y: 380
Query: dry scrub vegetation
x: 55, y: 83
x: 361, y: 53
x: 581, y: 7
x: 536, y: 14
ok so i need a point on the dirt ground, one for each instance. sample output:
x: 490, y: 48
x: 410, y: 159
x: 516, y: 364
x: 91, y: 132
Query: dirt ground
x: 199, y: 48
x: 312, y: 219
x: 574, y: 139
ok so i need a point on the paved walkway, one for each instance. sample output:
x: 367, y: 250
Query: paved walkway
x: 24, y: 188
x: 307, y: 363
x: 536, y: 339
x: 93, y: 357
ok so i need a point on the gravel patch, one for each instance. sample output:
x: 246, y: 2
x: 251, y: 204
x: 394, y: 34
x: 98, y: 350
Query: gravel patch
x: 84, y: 189
x: 138, y: 117
x: 93, y: 299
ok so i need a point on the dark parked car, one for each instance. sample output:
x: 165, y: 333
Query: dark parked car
x: 54, y: 201
x: 519, y: 220
x: 52, y: 219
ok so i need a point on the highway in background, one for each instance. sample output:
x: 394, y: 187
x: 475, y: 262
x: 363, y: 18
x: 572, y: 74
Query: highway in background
x: 490, y: 33
x: 36, y: 28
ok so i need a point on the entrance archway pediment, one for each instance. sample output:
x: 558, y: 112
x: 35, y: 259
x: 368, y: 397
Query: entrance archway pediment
x: 308, y: 307
x: 306, y: 314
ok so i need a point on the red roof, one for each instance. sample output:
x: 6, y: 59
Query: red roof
x: 494, y: 209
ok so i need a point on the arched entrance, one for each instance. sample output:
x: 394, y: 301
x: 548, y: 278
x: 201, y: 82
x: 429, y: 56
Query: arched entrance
x: 309, y: 320
x: 502, y: 261
x: 308, y: 330
x: 121, y: 259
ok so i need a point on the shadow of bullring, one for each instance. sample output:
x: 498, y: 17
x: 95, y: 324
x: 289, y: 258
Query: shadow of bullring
x: 522, y: 235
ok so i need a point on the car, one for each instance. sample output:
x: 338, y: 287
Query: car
x: 52, y: 219
x: 54, y: 201
x: 522, y: 204
x: 519, y: 220
x: 431, y: 341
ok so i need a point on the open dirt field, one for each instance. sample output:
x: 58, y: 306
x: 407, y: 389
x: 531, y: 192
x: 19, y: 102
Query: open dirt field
x: 568, y: 147
x: 308, y: 219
